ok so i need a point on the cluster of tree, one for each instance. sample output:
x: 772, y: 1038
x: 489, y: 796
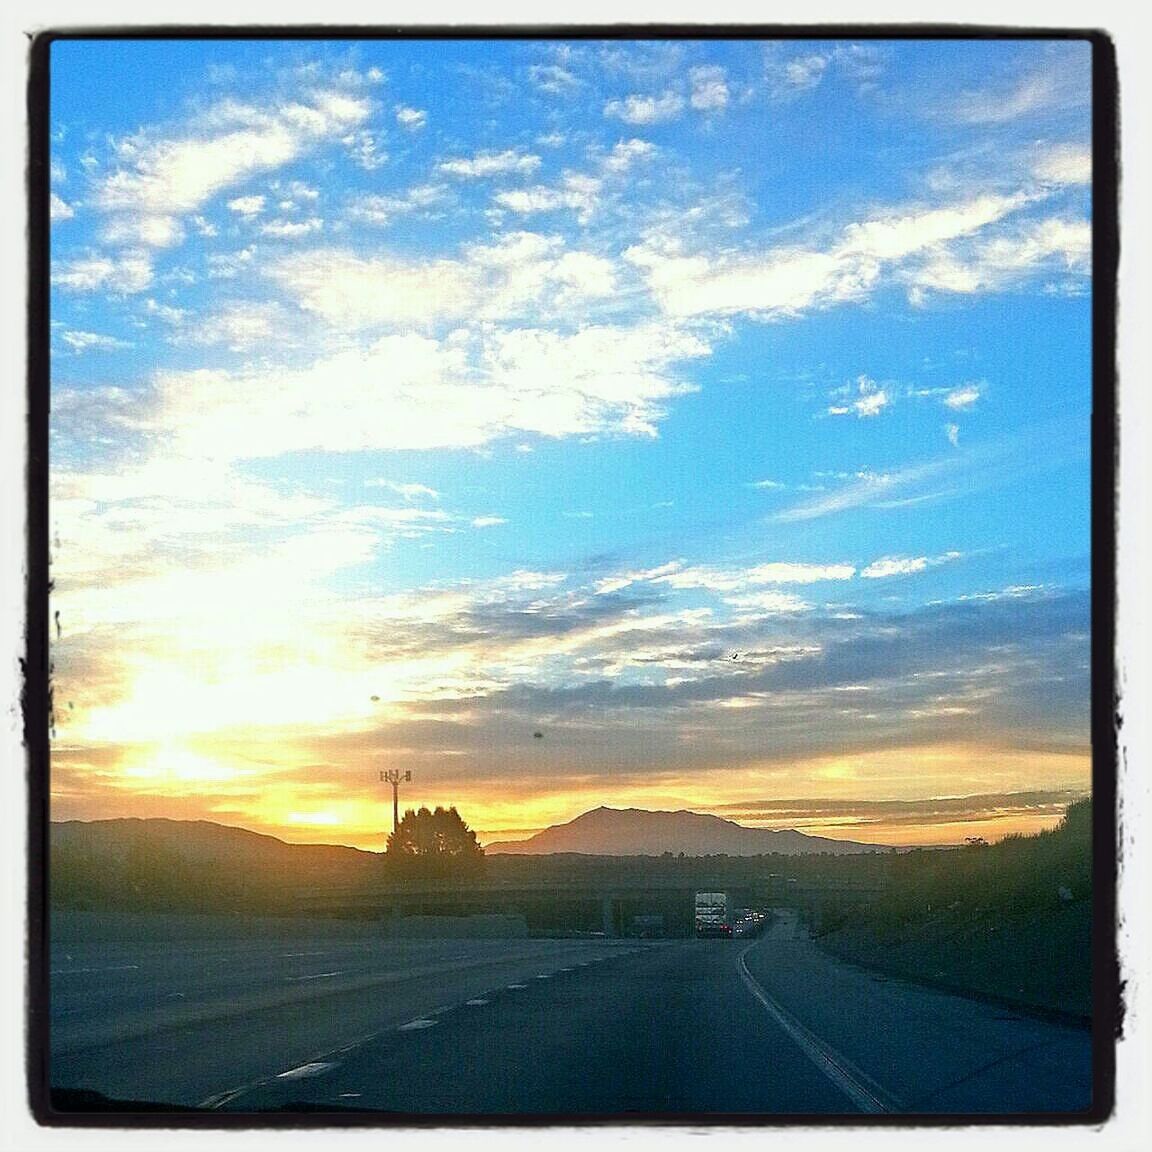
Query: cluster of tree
x: 434, y: 843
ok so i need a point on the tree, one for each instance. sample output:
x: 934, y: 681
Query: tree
x: 436, y: 843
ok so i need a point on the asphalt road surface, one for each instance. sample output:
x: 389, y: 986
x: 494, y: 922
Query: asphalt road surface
x: 520, y: 1028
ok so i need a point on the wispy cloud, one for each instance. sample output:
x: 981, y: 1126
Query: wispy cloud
x: 510, y: 162
x: 638, y: 109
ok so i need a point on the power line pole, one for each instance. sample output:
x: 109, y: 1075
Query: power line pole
x: 394, y: 776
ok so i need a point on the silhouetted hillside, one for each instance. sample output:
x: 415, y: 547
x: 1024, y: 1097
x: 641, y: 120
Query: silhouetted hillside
x: 190, y: 865
x: 637, y: 832
x: 1011, y: 920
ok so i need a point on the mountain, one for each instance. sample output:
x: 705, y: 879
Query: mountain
x: 636, y: 832
x: 190, y: 865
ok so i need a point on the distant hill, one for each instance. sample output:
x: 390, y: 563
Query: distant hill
x: 637, y: 832
x: 189, y: 864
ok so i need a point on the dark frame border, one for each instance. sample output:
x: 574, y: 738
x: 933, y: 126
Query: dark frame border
x: 37, y: 668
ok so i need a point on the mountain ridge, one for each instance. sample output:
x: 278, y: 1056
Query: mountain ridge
x: 605, y: 831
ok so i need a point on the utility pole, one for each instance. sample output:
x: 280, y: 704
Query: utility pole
x: 394, y: 776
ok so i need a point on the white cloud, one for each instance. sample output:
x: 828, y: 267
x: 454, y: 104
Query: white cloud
x: 366, y: 150
x: 1026, y: 96
x: 485, y: 164
x: 80, y: 341
x: 626, y: 152
x: 240, y: 326
x: 768, y: 602
x: 646, y: 109
x: 740, y: 579
x: 864, y: 398
x: 521, y: 273
x: 247, y: 206
x: 963, y: 397
x: 790, y: 280
x: 904, y: 565
x: 709, y: 89
x: 576, y: 191
x: 165, y: 177
x: 488, y: 521
x: 413, y: 392
x: 1064, y: 164
x: 1056, y: 244
x: 287, y: 229
x: 59, y: 209
x: 408, y: 491
x: 382, y: 210
x: 553, y: 79
x: 866, y: 488
x: 411, y: 118
x: 953, y: 433
x: 125, y: 274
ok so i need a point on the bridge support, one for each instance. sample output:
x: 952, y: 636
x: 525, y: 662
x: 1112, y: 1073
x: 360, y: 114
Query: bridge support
x: 607, y: 918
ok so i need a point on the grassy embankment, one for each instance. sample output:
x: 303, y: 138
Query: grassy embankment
x: 1010, y: 921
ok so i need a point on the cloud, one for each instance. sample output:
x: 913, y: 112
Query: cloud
x: 866, y: 398
x: 122, y: 275
x: 247, y: 206
x: 553, y: 79
x: 411, y: 118
x: 159, y: 178
x: 953, y: 433
x: 240, y: 326
x: 520, y: 274
x: 963, y: 397
x: 1056, y: 245
x: 576, y: 191
x: 626, y: 152
x: 290, y: 229
x: 415, y: 392
x: 488, y: 521
x: 408, y: 491
x: 904, y: 565
x: 1055, y: 85
x: 59, y: 209
x: 1063, y: 164
x: 789, y: 281
x: 709, y: 89
x: 646, y: 109
x: 80, y: 341
x: 511, y: 162
x: 382, y: 210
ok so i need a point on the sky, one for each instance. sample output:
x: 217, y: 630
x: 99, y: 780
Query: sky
x: 658, y: 424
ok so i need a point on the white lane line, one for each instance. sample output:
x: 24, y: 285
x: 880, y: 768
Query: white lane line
x: 289, y: 955
x: 476, y: 1002
x: 313, y: 1069
x: 565, y: 969
x: 517, y: 985
x: 416, y: 1025
x: 314, y: 976
x: 867, y: 1095
x: 78, y: 971
x: 350, y: 1095
x: 544, y: 976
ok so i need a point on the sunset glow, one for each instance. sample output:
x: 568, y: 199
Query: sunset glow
x: 671, y: 425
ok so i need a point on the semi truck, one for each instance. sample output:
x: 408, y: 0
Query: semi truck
x: 713, y: 914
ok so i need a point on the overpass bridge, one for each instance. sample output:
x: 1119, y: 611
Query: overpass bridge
x: 611, y: 907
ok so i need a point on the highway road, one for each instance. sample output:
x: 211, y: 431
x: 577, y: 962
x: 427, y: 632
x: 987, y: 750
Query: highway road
x: 554, y: 1028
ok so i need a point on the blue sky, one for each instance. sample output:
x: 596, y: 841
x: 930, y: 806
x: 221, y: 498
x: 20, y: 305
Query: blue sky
x: 719, y: 409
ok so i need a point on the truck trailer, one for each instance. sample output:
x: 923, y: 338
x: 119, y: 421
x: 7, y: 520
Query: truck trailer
x: 713, y: 915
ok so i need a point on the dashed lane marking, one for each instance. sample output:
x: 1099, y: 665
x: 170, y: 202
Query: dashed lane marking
x: 517, y: 985
x: 416, y: 1025
x: 314, y: 1069
x: 476, y: 1002
x: 313, y: 976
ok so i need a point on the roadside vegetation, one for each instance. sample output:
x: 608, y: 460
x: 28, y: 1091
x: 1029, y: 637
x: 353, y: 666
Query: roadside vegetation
x: 1011, y: 921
